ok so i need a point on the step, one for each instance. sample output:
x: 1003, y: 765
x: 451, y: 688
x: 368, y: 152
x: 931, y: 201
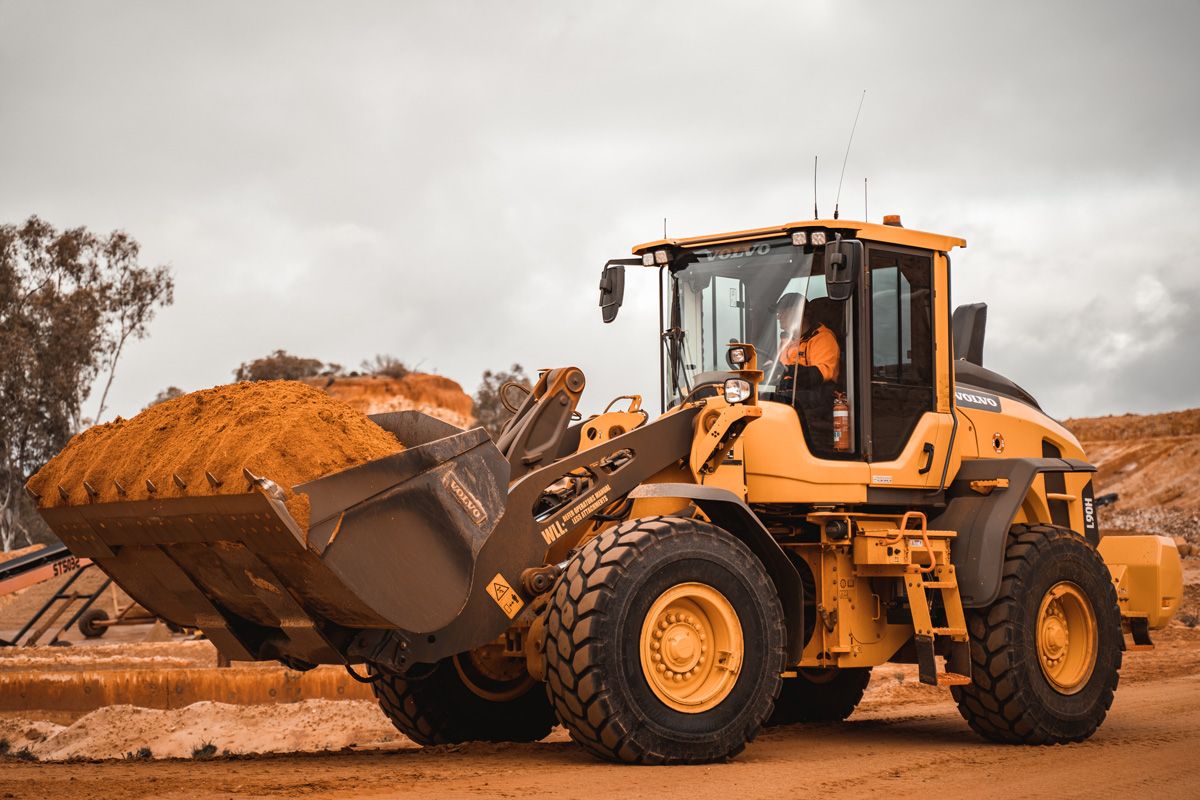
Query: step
x: 952, y: 679
x: 949, y: 631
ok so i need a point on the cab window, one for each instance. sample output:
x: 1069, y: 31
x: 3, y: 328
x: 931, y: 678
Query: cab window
x: 901, y: 348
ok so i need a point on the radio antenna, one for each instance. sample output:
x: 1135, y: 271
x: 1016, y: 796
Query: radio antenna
x: 815, y: 214
x: 866, y: 216
x: 664, y: 227
x: 847, y: 157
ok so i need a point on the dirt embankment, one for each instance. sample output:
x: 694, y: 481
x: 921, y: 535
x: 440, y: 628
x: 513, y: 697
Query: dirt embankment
x: 9, y: 555
x: 200, y: 443
x: 376, y: 394
x: 1152, y: 463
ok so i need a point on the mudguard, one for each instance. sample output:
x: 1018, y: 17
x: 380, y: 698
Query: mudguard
x: 983, y: 521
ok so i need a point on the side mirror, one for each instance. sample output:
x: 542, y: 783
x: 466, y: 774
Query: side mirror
x: 612, y: 290
x: 843, y: 264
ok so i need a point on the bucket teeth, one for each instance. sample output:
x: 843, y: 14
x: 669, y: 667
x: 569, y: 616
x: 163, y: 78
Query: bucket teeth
x: 91, y: 490
x: 150, y: 487
x: 34, y: 496
x: 120, y: 487
x: 180, y: 482
x: 250, y: 476
x: 213, y: 480
x: 63, y: 494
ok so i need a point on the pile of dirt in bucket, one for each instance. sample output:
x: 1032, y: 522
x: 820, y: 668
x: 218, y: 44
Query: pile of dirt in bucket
x: 282, y: 430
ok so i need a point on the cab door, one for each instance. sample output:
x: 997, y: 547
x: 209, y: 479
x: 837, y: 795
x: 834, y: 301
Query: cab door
x: 909, y: 428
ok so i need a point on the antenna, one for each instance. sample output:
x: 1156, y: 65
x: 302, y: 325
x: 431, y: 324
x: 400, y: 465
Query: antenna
x: 866, y: 216
x: 664, y: 227
x: 847, y: 158
x: 815, y: 214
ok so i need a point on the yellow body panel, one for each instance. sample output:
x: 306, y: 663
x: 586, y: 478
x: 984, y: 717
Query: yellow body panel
x: 1148, y: 576
x: 890, y: 234
x: 781, y: 469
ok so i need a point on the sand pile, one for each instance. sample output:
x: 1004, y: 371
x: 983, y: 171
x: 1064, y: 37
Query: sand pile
x: 282, y: 430
x: 114, y: 731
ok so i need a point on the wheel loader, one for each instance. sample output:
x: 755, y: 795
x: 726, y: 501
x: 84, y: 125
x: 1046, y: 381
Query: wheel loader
x: 666, y: 587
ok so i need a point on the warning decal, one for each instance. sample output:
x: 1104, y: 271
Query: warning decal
x: 502, y: 592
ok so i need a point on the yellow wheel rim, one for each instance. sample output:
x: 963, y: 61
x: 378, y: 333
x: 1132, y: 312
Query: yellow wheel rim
x: 691, y: 647
x: 1066, y: 637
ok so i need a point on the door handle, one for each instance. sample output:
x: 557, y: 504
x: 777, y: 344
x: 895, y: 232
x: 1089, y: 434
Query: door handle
x: 927, y: 450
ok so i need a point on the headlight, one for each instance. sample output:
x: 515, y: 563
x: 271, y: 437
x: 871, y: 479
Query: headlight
x: 736, y: 356
x: 799, y: 238
x: 737, y: 390
x: 661, y: 256
x: 818, y: 238
x: 647, y: 259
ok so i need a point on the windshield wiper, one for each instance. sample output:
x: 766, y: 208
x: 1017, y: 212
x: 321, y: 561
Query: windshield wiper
x: 673, y: 339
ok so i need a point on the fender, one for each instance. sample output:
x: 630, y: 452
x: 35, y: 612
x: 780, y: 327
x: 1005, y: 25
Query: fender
x: 728, y: 511
x: 983, y: 521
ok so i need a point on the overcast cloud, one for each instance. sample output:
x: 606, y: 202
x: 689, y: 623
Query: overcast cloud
x: 442, y: 181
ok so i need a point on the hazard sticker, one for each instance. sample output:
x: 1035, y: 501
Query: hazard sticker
x: 505, y: 596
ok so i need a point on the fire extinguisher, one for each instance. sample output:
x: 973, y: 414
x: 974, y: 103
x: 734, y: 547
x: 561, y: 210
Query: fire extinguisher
x: 841, y: 423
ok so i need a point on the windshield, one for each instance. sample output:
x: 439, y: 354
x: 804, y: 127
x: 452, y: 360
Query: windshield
x: 731, y: 293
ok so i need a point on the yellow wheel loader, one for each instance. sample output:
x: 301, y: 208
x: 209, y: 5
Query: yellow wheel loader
x: 834, y: 481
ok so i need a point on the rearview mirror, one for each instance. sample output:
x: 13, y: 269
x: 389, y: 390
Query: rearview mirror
x: 612, y: 290
x: 843, y: 263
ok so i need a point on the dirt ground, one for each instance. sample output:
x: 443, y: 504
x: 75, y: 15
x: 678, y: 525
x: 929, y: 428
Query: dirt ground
x: 904, y: 739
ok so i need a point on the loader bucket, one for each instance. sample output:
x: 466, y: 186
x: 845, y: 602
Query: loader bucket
x: 391, y: 544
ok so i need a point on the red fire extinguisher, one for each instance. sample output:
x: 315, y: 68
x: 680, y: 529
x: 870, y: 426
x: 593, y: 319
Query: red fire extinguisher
x: 841, y: 423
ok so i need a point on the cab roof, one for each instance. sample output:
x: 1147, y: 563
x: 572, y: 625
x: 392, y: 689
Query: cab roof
x: 892, y: 234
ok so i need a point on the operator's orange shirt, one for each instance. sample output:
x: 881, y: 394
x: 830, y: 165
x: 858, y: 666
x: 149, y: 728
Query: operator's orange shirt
x: 819, y: 349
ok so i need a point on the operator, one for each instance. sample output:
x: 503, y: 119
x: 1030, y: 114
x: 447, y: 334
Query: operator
x: 808, y: 350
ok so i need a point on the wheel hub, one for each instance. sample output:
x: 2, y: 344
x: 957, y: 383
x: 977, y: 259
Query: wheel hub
x: 490, y: 673
x: 691, y: 647
x: 1066, y: 637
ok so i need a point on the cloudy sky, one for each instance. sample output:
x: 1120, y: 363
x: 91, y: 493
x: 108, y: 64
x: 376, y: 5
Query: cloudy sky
x: 442, y: 180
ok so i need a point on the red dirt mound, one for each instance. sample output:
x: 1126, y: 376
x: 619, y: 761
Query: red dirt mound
x: 375, y: 394
x: 282, y: 430
x: 1151, y: 460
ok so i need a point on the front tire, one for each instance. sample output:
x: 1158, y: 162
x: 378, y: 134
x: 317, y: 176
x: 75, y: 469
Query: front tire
x: 664, y: 643
x: 1046, y: 656
x: 463, y: 699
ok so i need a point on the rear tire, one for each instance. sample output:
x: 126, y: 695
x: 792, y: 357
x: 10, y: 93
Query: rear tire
x: 1046, y: 656
x: 642, y: 629
x: 828, y: 695
x: 446, y: 705
x: 87, y: 623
